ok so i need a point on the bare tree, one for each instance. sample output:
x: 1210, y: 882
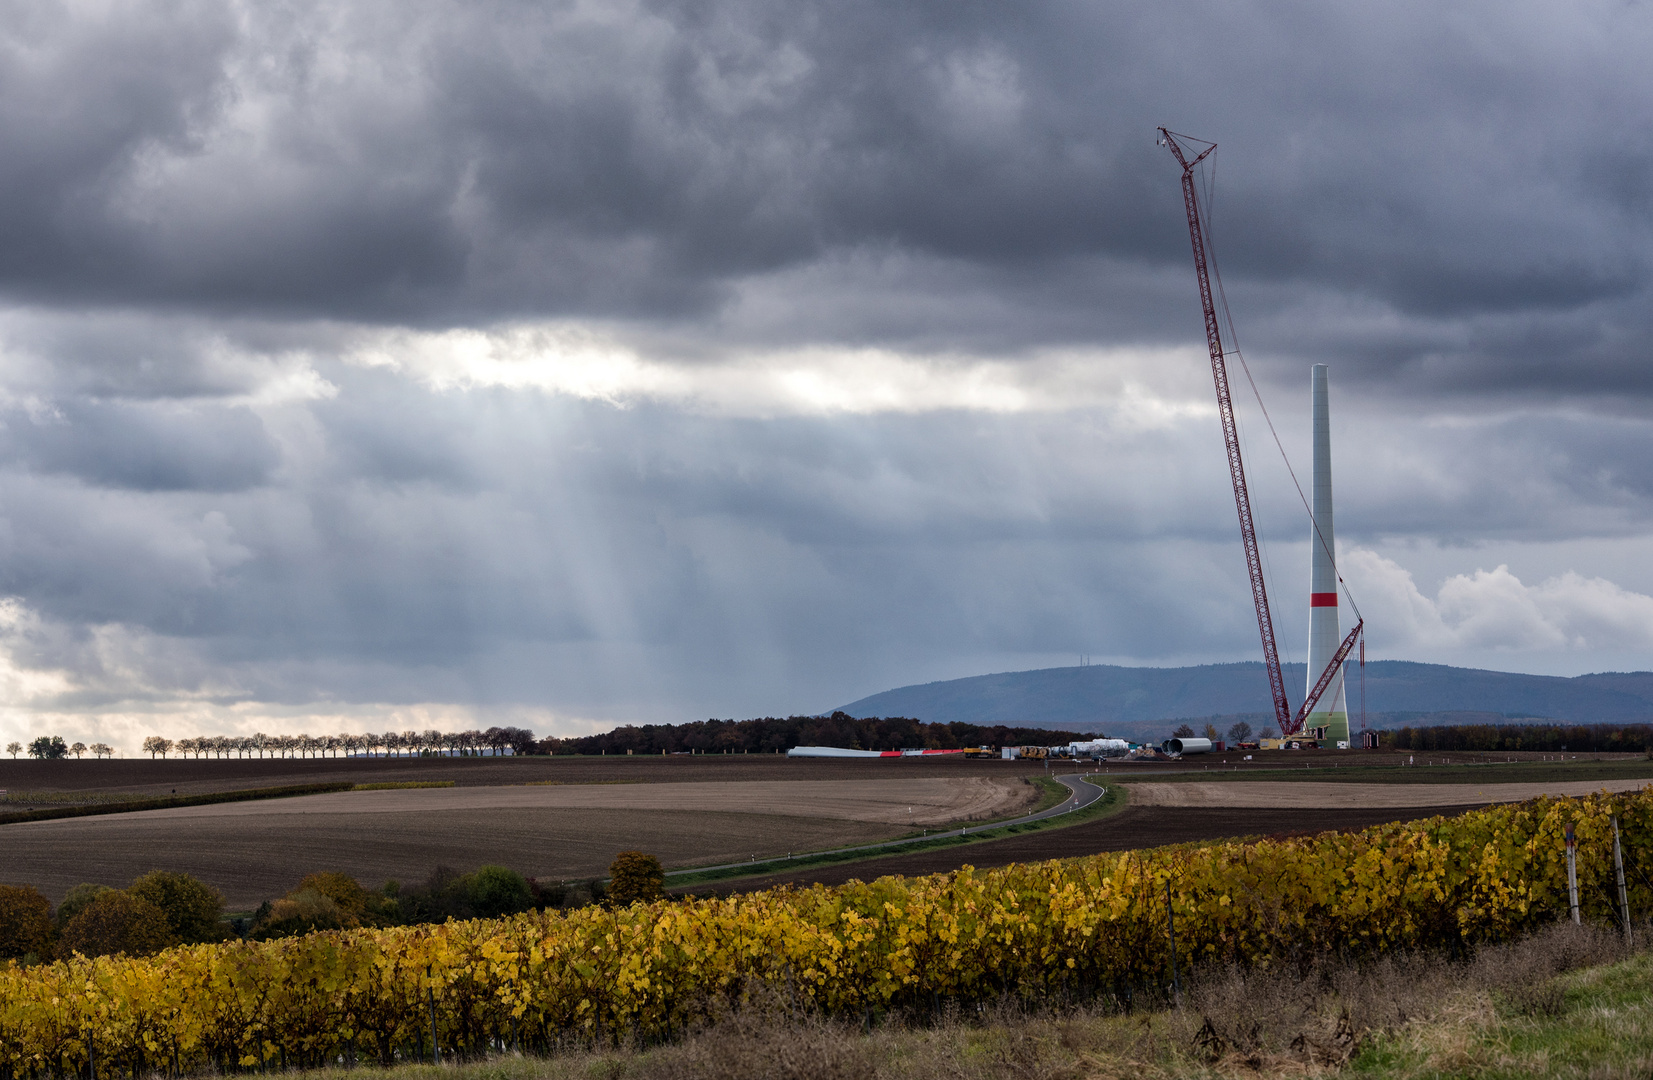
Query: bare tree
x: 1239, y: 732
x: 14, y: 748
x: 156, y: 745
x: 78, y: 749
x: 102, y: 750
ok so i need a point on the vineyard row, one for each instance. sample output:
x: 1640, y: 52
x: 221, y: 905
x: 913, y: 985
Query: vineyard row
x: 1086, y: 926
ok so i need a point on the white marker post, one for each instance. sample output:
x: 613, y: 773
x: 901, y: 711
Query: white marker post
x: 1572, y: 873
x: 1618, y: 870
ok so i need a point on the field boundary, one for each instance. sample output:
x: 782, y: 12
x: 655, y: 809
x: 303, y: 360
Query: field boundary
x: 1422, y: 772
x: 168, y: 802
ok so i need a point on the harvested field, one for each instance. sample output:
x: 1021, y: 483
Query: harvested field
x: 904, y: 801
x: 255, y: 858
x: 142, y: 776
x: 1132, y: 827
x: 253, y: 851
x: 1309, y: 794
x: 192, y: 777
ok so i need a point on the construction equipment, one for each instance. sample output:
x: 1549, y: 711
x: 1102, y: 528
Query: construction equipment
x: 1289, y: 724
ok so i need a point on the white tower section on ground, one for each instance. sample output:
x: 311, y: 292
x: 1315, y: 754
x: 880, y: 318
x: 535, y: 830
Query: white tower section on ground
x: 1324, y: 635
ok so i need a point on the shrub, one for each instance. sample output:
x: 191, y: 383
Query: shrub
x: 343, y: 890
x: 300, y: 912
x: 496, y: 891
x: 25, y: 922
x: 633, y: 876
x: 76, y: 901
x: 548, y: 895
x: 193, y: 908
x: 116, y: 922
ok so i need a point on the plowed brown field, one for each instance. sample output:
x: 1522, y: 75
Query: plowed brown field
x: 255, y: 858
x: 914, y: 801
x: 254, y: 851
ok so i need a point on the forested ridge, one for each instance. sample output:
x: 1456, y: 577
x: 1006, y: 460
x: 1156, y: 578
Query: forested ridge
x: 770, y: 735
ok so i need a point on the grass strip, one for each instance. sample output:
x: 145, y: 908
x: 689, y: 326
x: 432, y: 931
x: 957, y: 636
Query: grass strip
x: 402, y: 785
x: 166, y: 802
x: 1111, y: 802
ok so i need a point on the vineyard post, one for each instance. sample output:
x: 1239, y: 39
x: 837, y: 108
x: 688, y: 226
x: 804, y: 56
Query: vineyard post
x: 1171, y: 921
x: 1572, y: 873
x: 1618, y: 871
x: 430, y: 995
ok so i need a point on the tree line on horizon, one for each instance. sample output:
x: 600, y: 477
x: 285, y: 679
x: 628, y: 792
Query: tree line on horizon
x: 765, y: 735
x: 773, y: 735
x: 497, y: 740
x: 52, y: 747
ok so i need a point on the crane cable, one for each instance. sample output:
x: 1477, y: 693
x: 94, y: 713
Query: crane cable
x: 1206, y: 178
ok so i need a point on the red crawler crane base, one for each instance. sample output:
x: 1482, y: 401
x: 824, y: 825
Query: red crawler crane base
x: 1289, y: 724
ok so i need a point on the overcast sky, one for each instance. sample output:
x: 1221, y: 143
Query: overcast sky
x: 405, y: 364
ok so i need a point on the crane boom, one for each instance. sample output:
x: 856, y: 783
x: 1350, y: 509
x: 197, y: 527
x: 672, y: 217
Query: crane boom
x: 1231, y: 439
x: 1338, y: 657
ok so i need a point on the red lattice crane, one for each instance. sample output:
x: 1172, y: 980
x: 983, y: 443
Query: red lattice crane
x: 1289, y: 724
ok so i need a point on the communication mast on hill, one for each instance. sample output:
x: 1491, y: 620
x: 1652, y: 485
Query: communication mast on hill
x: 1289, y: 724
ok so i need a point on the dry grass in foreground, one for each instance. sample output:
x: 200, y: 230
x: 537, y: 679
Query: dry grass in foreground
x: 1566, y: 1003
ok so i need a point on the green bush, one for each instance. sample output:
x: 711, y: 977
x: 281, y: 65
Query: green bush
x: 300, y: 912
x: 193, y: 908
x: 635, y: 875
x: 497, y: 891
x: 116, y: 922
x: 25, y: 922
x: 74, y: 903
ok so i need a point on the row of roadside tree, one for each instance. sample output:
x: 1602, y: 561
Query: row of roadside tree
x: 495, y: 740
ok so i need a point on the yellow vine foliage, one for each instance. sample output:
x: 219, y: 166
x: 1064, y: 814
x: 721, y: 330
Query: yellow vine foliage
x: 1087, y: 925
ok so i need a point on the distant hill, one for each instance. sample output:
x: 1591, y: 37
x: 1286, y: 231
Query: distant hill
x: 1136, y: 702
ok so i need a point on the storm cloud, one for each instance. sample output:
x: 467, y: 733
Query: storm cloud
x: 584, y: 362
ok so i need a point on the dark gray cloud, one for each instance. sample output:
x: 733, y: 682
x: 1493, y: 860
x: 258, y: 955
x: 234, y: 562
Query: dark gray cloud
x: 211, y: 213
x: 1476, y: 178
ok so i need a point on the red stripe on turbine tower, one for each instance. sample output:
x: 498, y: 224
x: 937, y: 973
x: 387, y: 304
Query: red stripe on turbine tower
x: 1323, y: 599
